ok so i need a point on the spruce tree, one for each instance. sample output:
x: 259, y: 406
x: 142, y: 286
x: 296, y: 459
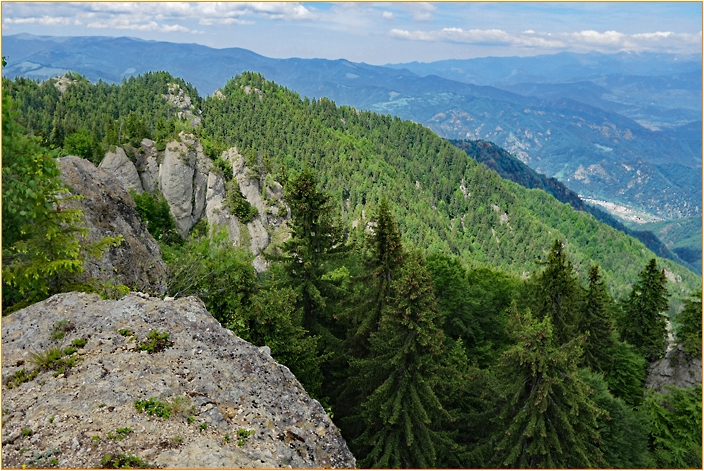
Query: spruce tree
x: 548, y: 419
x: 315, y: 239
x: 643, y: 323
x: 383, y: 258
x: 596, y: 323
x: 557, y: 294
x: 403, y: 416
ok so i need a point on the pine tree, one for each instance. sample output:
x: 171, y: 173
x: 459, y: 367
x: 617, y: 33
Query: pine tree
x: 643, y: 323
x: 403, y: 415
x: 557, y: 294
x: 548, y: 419
x: 597, y: 323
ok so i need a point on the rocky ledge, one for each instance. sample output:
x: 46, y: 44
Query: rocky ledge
x: 84, y: 378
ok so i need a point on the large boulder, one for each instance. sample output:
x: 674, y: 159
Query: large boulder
x: 121, y: 167
x: 233, y: 405
x: 109, y: 211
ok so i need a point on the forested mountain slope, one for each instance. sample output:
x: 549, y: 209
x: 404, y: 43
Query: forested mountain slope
x: 405, y: 295
x: 444, y: 200
x: 511, y: 168
x: 592, y: 145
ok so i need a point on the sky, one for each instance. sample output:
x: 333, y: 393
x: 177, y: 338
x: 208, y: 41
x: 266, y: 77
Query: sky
x: 378, y: 33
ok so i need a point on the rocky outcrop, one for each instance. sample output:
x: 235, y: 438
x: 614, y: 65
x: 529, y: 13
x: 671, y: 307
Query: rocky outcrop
x: 231, y: 404
x: 194, y: 189
x: 121, y: 167
x: 675, y: 369
x: 109, y: 211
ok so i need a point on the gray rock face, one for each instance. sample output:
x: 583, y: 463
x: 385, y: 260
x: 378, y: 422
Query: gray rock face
x: 150, y: 171
x: 194, y: 189
x: 219, y: 217
x: 176, y: 183
x: 224, y: 383
x: 109, y: 211
x: 676, y: 369
x: 121, y: 167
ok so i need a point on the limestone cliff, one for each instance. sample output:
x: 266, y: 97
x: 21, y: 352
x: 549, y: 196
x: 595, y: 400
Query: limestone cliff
x: 194, y: 188
x: 230, y: 404
x: 109, y: 211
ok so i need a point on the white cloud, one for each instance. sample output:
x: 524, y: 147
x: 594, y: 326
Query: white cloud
x: 44, y: 20
x: 608, y: 41
x: 387, y: 15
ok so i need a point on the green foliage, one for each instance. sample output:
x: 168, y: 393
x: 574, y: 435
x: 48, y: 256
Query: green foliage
x: 316, y: 238
x: 154, y: 210
x: 473, y: 305
x: 82, y: 144
x: 623, y: 432
x: 26, y: 432
x: 643, y: 323
x: 52, y: 359
x: 125, y: 332
x: 676, y: 427
x: 79, y: 343
x: 40, y: 238
x: 21, y: 376
x: 237, y: 204
x: 558, y: 294
x: 243, y: 434
x: 548, y: 418
x: 61, y: 328
x: 155, y: 342
x: 596, y: 322
x: 403, y: 417
x: 690, y: 332
x: 215, y: 271
x: 123, y: 461
x: 274, y: 321
x: 153, y: 406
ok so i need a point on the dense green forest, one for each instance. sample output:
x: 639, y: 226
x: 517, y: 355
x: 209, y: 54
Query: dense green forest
x: 475, y: 323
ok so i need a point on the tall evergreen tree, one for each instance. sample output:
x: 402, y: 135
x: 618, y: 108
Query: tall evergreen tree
x: 643, y: 323
x: 403, y: 415
x: 383, y: 258
x: 315, y: 239
x: 690, y: 333
x: 557, y: 294
x: 597, y: 323
x: 548, y: 419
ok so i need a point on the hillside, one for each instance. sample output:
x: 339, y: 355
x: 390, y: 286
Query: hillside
x: 444, y: 201
x: 595, y: 137
x: 411, y: 291
x: 682, y: 236
x: 510, y: 168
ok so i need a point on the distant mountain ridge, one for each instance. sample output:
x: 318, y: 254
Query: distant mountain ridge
x: 591, y: 147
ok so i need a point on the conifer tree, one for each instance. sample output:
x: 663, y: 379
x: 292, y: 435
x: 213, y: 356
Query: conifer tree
x: 315, y: 239
x: 384, y: 257
x: 643, y: 323
x: 596, y: 323
x: 690, y: 334
x: 548, y: 419
x: 403, y: 415
x: 557, y: 294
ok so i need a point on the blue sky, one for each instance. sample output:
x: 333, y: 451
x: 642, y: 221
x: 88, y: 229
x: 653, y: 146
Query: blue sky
x: 378, y: 33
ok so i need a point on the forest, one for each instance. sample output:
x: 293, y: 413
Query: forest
x: 443, y: 332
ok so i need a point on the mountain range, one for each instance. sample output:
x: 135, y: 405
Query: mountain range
x: 623, y: 128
